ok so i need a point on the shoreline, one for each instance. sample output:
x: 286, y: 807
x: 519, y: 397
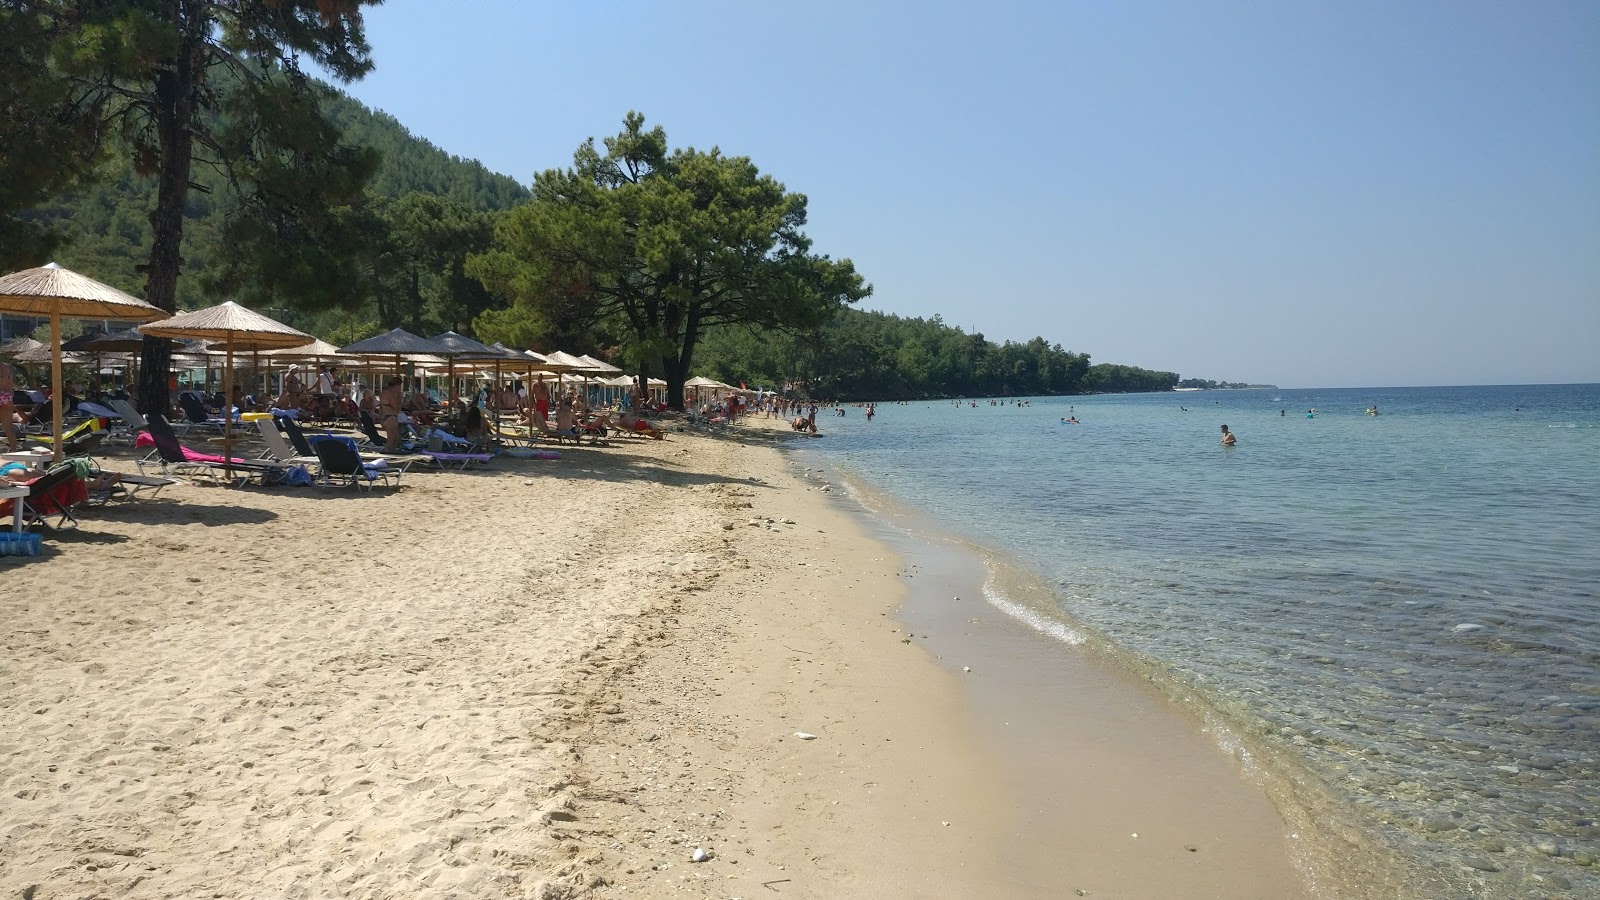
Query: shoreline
x: 540, y: 680
x: 1140, y: 796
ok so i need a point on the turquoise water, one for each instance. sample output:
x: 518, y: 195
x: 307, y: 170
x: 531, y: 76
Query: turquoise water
x: 1402, y: 606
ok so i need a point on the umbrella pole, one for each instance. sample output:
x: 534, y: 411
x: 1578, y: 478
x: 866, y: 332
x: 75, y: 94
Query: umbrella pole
x: 227, y: 413
x: 56, y: 394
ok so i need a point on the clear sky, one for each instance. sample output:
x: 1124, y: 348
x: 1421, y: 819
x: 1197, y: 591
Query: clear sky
x: 1309, y: 194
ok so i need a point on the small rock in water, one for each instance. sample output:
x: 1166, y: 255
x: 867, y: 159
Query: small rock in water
x: 700, y: 854
x: 805, y: 736
x: 969, y: 669
x: 1466, y: 627
x: 1479, y: 863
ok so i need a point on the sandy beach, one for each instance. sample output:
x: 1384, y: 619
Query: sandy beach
x: 552, y: 679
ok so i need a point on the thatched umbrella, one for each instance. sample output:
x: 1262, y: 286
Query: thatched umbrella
x: 55, y: 292
x: 43, y: 355
x: 459, y: 346
x: 127, y: 341
x: 236, y: 328
x: 600, y: 366
x: 314, y: 353
x: 577, y: 365
x: 398, y: 343
x: 20, y: 345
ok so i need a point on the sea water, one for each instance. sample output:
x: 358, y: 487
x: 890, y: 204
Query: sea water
x: 1401, y: 607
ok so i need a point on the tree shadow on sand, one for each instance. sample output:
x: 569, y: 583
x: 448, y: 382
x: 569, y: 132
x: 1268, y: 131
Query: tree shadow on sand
x: 184, y: 512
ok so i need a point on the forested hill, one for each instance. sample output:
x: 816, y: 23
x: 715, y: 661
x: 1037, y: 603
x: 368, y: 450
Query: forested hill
x: 868, y: 355
x: 108, y: 231
x: 412, y: 163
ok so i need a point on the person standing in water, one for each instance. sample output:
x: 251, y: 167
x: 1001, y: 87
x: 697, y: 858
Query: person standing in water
x: 1228, y: 439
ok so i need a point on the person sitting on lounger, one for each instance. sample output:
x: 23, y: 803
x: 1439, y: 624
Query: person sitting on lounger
x: 566, y: 418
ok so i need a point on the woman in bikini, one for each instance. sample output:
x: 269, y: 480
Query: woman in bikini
x: 389, y: 410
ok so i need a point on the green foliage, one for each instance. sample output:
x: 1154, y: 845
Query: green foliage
x: 1210, y: 385
x: 70, y: 328
x: 657, y: 247
x: 50, y: 133
x: 106, y: 232
x: 863, y: 355
x: 1110, y: 379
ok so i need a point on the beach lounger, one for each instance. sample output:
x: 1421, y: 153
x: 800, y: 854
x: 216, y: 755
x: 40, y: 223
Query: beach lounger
x: 45, y: 500
x: 369, y: 429
x: 111, y: 487
x: 510, y: 435
x: 183, y: 461
x: 132, y: 422
x: 305, y: 445
x: 278, y: 449
x: 195, y: 413
x: 340, y: 463
x: 443, y: 457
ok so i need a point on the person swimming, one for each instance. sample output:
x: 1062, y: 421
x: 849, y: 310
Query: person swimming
x: 1228, y: 440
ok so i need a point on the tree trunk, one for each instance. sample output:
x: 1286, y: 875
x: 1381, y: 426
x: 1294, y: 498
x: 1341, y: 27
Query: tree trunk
x: 678, y: 364
x: 675, y: 375
x: 175, y: 107
x: 416, y: 301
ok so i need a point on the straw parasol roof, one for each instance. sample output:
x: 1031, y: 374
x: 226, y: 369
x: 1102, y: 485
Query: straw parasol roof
x: 602, y: 367
x: 700, y: 381
x: 461, y: 345
x: 398, y: 342
x: 56, y: 292
x: 236, y: 328
x: 43, y: 354
x: 317, y: 349
x: 52, y: 290
x: 231, y: 325
x: 20, y: 345
x: 112, y: 342
x: 572, y: 363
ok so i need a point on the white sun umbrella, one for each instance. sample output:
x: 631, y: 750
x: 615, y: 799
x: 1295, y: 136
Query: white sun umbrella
x: 236, y: 328
x: 56, y: 292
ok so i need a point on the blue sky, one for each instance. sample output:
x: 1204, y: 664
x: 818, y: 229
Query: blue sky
x: 1360, y: 193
